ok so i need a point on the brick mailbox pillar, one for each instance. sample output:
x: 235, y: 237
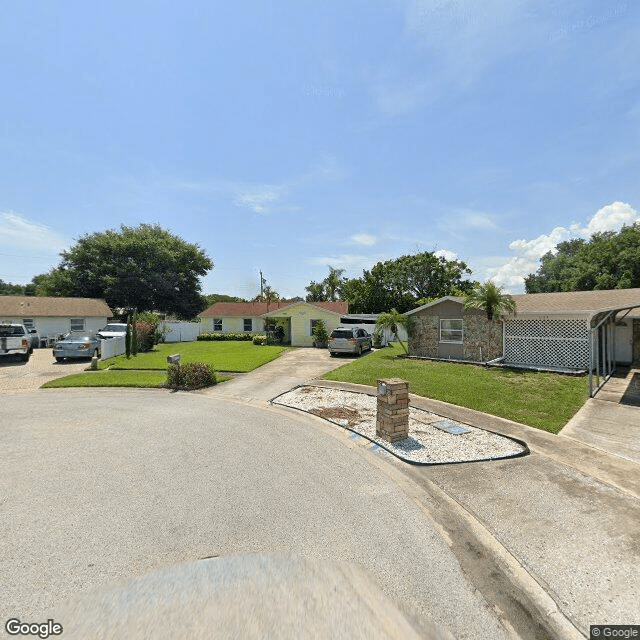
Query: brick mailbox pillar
x: 392, y: 421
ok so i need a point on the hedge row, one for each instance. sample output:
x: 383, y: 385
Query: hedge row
x: 219, y: 335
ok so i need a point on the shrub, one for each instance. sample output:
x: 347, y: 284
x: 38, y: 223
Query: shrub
x: 191, y: 375
x: 260, y: 339
x: 159, y: 328
x: 377, y: 338
x: 320, y: 335
x: 145, y: 335
x: 219, y: 335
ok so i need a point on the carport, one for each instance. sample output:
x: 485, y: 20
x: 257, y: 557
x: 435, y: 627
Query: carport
x: 590, y: 331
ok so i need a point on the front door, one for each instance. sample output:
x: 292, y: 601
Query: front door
x: 624, y: 342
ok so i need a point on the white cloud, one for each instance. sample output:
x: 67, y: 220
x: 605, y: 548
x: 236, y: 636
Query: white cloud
x: 364, y: 239
x: 512, y: 272
x: 458, y: 222
x: 16, y: 231
x: 609, y: 218
x: 446, y: 254
x: 265, y: 198
x: 261, y: 199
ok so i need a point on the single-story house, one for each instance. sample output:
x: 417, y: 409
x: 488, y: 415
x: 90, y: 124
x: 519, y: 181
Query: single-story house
x: 445, y: 329
x: 297, y: 318
x: 53, y: 317
x: 575, y: 330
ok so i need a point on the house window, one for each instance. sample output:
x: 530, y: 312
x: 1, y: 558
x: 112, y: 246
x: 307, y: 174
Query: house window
x: 28, y: 322
x: 312, y: 326
x: 77, y: 324
x: 451, y: 331
x: 217, y: 324
x: 248, y: 324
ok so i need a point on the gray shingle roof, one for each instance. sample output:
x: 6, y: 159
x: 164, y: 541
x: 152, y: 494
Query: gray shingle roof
x: 576, y: 302
x: 42, y: 307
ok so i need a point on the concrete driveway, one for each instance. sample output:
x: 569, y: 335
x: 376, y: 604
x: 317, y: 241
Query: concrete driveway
x: 292, y: 368
x: 42, y: 367
x: 100, y: 486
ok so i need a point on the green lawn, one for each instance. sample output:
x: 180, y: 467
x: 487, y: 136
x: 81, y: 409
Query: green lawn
x: 118, y: 378
x: 237, y: 356
x: 543, y: 400
x: 110, y: 379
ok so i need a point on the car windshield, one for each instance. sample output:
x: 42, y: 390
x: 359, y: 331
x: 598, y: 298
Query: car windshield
x: 115, y: 327
x: 342, y: 333
x: 7, y: 331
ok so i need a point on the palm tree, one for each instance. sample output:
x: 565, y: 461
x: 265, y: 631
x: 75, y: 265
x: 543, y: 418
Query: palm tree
x: 392, y: 320
x: 489, y: 296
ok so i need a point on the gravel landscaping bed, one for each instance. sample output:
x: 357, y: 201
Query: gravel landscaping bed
x: 429, y: 441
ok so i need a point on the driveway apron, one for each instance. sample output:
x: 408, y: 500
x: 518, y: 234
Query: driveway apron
x: 292, y: 368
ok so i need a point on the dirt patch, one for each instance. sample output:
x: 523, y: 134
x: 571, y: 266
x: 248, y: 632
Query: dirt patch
x: 352, y: 416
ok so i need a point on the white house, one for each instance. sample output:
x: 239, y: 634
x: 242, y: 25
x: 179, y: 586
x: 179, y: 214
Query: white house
x: 53, y: 317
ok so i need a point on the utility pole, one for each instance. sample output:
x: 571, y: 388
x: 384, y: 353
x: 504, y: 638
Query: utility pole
x: 262, y: 281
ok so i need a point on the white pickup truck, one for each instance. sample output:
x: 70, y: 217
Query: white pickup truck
x: 15, y: 340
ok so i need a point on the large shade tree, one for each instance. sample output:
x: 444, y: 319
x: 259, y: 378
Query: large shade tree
x: 399, y: 284
x: 608, y: 260
x: 143, y: 268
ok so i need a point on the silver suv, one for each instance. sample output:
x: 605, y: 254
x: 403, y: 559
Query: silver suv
x: 349, y: 340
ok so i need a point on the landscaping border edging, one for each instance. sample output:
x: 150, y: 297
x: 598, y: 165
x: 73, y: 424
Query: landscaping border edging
x: 521, y: 454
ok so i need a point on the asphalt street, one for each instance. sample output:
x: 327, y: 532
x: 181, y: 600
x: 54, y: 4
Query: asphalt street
x: 100, y: 486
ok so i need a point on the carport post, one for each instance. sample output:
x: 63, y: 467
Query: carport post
x: 590, y: 362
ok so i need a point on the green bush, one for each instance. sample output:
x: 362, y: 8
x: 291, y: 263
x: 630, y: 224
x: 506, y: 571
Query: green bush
x: 320, y: 335
x: 219, y: 335
x: 377, y: 338
x: 259, y: 339
x: 191, y: 375
x: 145, y: 336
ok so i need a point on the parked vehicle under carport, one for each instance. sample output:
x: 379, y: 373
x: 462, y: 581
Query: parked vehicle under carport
x: 349, y: 340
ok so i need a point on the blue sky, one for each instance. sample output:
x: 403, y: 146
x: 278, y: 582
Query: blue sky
x: 290, y: 136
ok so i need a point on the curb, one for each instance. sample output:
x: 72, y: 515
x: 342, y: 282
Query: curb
x: 619, y: 473
x: 377, y: 445
x: 531, y: 595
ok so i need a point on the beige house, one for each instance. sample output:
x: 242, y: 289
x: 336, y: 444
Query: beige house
x: 297, y: 318
x: 53, y: 317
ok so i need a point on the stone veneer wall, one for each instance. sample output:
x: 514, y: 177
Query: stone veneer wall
x: 482, y: 338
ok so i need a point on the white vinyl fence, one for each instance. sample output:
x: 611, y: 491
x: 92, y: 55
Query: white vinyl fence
x: 112, y: 347
x: 182, y: 331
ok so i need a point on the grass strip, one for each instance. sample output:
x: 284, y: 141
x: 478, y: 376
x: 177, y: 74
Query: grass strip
x: 542, y: 400
x: 139, y: 379
x: 235, y: 356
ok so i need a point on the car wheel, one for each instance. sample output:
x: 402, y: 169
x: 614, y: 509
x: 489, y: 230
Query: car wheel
x: 59, y: 359
x: 25, y: 357
x: 333, y: 355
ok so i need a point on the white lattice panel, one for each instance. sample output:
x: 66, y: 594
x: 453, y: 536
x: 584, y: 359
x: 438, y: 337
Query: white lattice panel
x: 551, y: 343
